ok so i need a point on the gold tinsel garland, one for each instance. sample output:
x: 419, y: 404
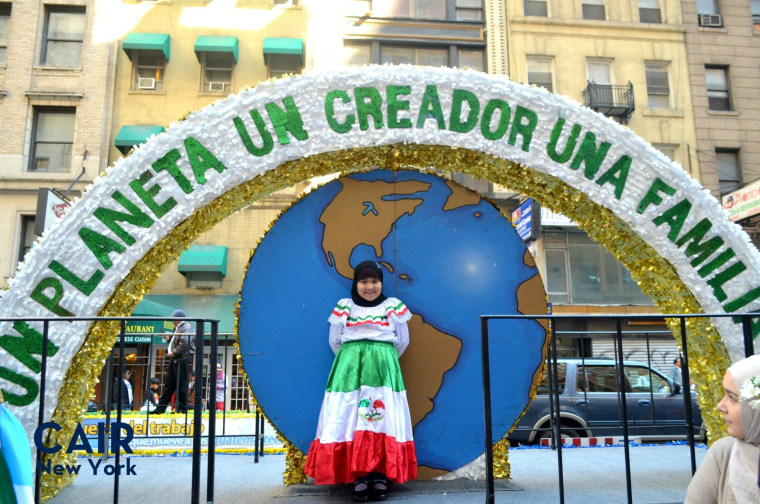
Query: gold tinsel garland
x: 655, y: 276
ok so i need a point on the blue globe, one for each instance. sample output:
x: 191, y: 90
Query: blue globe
x: 450, y: 255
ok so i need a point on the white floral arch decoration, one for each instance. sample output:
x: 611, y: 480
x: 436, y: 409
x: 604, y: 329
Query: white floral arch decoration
x: 112, y: 244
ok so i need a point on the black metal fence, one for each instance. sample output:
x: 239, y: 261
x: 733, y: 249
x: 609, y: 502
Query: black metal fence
x: 115, y: 398
x: 555, y: 322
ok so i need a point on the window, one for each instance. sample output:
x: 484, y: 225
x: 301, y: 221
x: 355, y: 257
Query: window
x: 414, y: 56
x: 27, y: 237
x: 426, y: 9
x: 716, y: 80
x: 755, y: 4
x: 559, y: 380
x: 668, y: 150
x: 535, y: 8
x: 357, y: 55
x: 658, y: 90
x: 148, y: 70
x: 53, y: 134
x: 580, y: 271
x: 649, y: 11
x: 729, y: 173
x: 471, y: 58
x: 599, y: 71
x: 283, y: 64
x: 540, y: 72
x: 64, y: 36
x: 217, y: 71
x: 707, y: 7
x: 469, y: 10
x: 593, y: 9
x: 5, y: 21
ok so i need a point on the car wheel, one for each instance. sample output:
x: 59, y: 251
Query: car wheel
x: 565, y: 433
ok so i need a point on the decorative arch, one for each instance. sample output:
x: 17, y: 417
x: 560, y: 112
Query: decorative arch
x: 113, y: 243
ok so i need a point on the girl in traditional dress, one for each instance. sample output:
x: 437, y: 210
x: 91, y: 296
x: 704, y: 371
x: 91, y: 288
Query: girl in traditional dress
x: 729, y: 473
x: 364, y: 435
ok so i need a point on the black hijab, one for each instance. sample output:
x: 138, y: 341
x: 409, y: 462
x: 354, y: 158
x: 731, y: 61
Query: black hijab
x: 366, y: 269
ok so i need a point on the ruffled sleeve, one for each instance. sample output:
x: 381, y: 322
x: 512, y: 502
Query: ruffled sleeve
x: 340, y: 313
x: 397, y: 311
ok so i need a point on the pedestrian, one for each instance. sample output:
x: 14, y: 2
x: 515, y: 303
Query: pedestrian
x: 221, y: 387
x: 124, y: 384
x: 675, y: 375
x: 364, y: 433
x: 151, y: 396
x: 180, y: 351
x: 730, y: 471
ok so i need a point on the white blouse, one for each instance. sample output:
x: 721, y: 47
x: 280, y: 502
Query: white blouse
x: 384, y: 322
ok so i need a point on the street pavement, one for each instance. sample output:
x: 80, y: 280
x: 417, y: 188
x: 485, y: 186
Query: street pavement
x: 659, y: 475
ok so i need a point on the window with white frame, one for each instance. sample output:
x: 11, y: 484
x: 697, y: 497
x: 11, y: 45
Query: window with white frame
x: 5, y: 22
x: 593, y: 9
x: 649, y: 11
x: 729, y: 171
x: 148, y: 70
x: 63, y: 37
x: 283, y: 64
x: 217, y: 71
x: 599, y: 71
x: 468, y: 10
x: 658, y: 89
x: 53, y: 139
x: 540, y: 72
x: 535, y: 8
x: 716, y: 80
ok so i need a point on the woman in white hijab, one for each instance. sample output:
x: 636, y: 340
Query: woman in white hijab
x: 729, y: 472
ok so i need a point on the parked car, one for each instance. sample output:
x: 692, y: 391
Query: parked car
x: 589, y: 404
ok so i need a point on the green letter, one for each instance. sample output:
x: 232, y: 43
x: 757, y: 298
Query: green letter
x: 588, y: 154
x: 286, y: 120
x: 169, y: 163
x: 524, y: 129
x: 51, y: 303
x: 394, y: 105
x: 148, y: 195
x: 455, y: 119
x: 29, y: 343
x: 695, y: 235
x: 485, y: 122
x: 431, y: 108
x: 716, y: 263
x: 617, y: 175
x: 23, y: 381
x: 724, y: 276
x: 364, y: 108
x: 674, y: 217
x: 551, y: 149
x: 136, y: 217
x: 201, y: 159
x: 330, y: 111
x: 652, y: 196
x: 100, y: 245
x: 84, y: 286
x: 266, y: 137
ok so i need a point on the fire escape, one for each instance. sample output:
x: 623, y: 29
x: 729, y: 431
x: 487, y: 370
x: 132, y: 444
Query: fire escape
x: 610, y: 100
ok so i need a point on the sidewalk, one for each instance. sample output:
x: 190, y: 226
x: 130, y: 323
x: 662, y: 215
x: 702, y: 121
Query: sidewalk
x: 659, y: 474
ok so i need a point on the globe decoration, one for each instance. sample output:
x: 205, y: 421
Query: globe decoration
x: 450, y: 255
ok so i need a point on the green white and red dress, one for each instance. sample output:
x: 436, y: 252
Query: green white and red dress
x: 364, y: 425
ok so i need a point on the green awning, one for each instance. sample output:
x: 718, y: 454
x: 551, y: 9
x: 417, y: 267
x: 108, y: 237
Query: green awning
x: 147, y: 42
x: 129, y: 136
x: 208, y: 43
x: 148, y: 308
x: 211, y: 306
x: 210, y: 258
x: 277, y: 45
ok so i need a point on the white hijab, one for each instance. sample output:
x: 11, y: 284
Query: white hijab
x: 744, y: 464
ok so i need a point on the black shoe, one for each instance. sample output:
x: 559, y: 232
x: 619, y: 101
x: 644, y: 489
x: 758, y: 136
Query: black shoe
x: 379, y: 490
x: 361, y: 491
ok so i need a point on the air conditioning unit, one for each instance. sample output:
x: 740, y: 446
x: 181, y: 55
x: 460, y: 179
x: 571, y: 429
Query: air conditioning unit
x: 146, y: 83
x: 216, y: 86
x: 710, y: 20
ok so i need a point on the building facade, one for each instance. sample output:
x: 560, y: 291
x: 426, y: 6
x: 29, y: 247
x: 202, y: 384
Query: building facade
x: 56, y: 98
